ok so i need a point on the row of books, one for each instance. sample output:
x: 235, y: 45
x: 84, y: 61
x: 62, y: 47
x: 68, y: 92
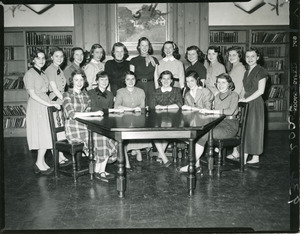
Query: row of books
x: 216, y: 37
x: 270, y: 51
x: 14, y: 122
x: 274, y: 65
x: 14, y: 110
x: 275, y: 105
x: 13, y: 83
x: 47, y: 49
x: 33, y: 38
x: 276, y: 78
x: 276, y: 92
x: 267, y: 37
x: 13, y: 53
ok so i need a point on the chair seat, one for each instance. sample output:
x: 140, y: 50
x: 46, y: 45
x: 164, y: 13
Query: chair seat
x: 228, y: 142
x: 64, y: 145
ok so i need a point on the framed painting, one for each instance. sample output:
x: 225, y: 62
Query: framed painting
x: 142, y: 20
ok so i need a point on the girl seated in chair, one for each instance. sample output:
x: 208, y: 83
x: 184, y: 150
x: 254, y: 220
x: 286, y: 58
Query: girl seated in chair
x: 226, y: 102
x: 76, y: 103
x: 131, y: 98
x: 166, y: 97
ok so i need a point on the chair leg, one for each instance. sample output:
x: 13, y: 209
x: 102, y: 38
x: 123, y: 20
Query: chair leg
x: 174, y: 152
x: 74, y: 167
x: 78, y: 157
x: 224, y: 153
x: 56, y: 159
x: 241, y: 148
x: 219, y: 159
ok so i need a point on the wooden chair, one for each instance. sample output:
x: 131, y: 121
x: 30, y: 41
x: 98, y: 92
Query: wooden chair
x: 56, y: 119
x: 237, y: 141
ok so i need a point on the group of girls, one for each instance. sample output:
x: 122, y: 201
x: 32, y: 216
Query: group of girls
x: 142, y: 81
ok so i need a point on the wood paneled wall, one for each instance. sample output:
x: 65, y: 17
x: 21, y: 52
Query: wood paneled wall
x: 96, y: 23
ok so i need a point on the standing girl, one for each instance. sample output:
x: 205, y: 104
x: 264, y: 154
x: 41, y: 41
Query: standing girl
x: 170, y: 62
x: 97, y: 55
x: 116, y: 67
x: 144, y: 67
x: 76, y: 59
x: 214, y: 68
x: 38, y: 129
x: 254, y: 84
x: 56, y: 75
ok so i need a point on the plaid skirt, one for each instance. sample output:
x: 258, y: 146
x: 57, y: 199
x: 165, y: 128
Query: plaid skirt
x: 103, y: 147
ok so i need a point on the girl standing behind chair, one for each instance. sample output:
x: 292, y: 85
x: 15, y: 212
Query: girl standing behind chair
x: 197, y: 97
x: 131, y: 98
x: 170, y: 62
x: 144, y: 67
x: 116, y: 67
x: 56, y: 75
x: 76, y: 59
x: 196, y: 58
x: 76, y: 104
x: 37, y: 122
x: 166, y: 97
x: 226, y: 102
x: 214, y: 68
x: 97, y: 56
x: 254, y: 84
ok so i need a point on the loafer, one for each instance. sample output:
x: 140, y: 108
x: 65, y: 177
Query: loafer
x: 255, y: 165
x: 168, y: 163
x: 65, y: 163
x: 104, y: 177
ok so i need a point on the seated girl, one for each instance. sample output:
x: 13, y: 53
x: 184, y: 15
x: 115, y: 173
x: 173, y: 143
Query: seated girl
x: 197, y: 97
x: 226, y: 102
x: 166, y: 97
x: 77, y: 103
x: 131, y: 98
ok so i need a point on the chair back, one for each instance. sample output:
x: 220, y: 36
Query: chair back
x: 242, y: 117
x: 56, y: 120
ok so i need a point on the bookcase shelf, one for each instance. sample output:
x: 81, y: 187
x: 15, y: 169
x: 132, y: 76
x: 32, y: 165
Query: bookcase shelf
x: 272, y: 41
x: 18, y: 45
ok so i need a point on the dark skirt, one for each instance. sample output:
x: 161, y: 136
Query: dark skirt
x: 254, y: 134
x: 149, y: 90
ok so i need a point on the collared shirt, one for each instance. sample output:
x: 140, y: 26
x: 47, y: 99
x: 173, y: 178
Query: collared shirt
x: 166, y: 59
x: 91, y: 70
x: 59, y: 79
x: 135, y: 98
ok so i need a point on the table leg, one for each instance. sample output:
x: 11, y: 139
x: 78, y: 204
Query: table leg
x: 191, y: 179
x: 121, y: 180
x: 210, y: 159
x: 91, y: 154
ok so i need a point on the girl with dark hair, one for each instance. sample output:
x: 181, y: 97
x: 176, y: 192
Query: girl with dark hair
x: 37, y: 124
x: 197, y: 97
x: 144, y: 67
x: 97, y: 56
x: 76, y: 59
x: 131, y: 98
x: 254, y: 81
x: 116, y: 67
x: 171, y: 62
x: 226, y: 102
x: 214, y: 67
x: 237, y: 69
x: 77, y: 103
x: 102, y: 99
x: 166, y: 97
x: 196, y: 58
x: 56, y: 77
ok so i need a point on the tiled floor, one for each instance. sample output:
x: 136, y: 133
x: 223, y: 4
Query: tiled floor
x: 156, y: 197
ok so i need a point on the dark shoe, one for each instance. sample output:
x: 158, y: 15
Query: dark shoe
x: 104, y: 177
x: 255, y: 165
x: 65, y: 163
x: 47, y: 172
x: 168, y: 163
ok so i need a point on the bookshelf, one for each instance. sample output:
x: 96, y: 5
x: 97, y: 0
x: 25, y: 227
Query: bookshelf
x: 18, y: 45
x: 272, y: 41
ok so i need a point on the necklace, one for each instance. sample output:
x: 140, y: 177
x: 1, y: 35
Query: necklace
x: 222, y: 99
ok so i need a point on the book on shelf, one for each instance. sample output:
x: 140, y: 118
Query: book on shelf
x: 276, y: 92
x: 223, y: 37
x: 274, y: 64
x: 14, y: 110
x: 270, y: 51
x: 13, y: 83
x: 33, y: 38
x: 12, y: 122
x: 275, y: 105
x: 276, y: 78
x: 268, y: 37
